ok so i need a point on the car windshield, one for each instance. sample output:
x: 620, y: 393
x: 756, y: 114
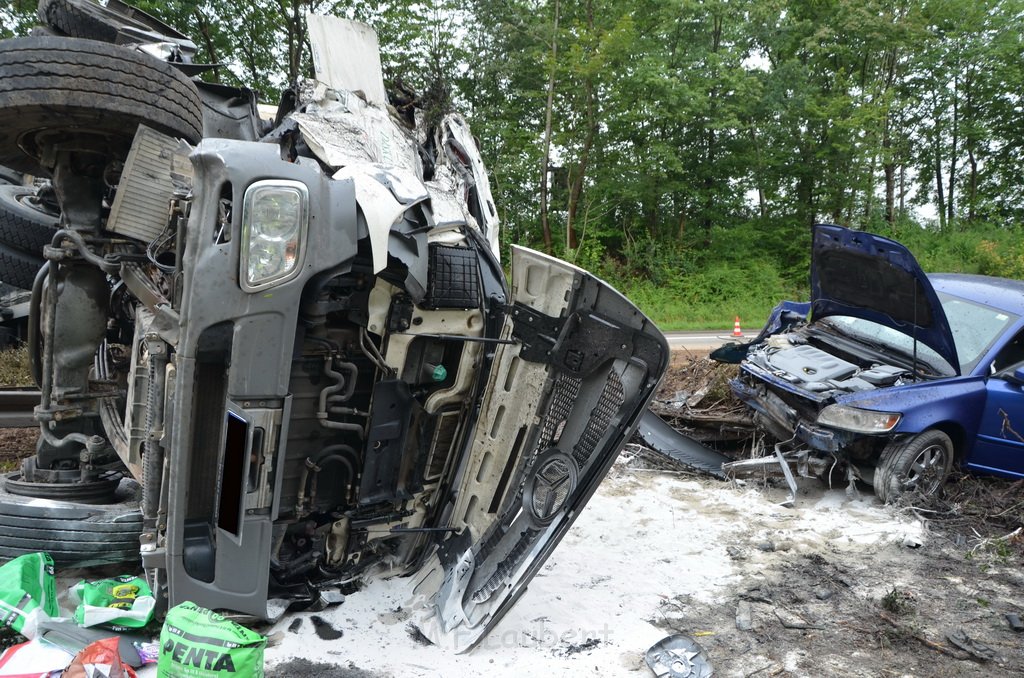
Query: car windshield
x: 975, y: 327
x: 889, y: 340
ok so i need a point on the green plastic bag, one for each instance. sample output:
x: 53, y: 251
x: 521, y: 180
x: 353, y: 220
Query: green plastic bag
x: 199, y: 643
x: 28, y: 593
x: 120, y: 604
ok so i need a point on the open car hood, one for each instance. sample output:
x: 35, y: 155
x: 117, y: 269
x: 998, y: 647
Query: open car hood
x: 867, y: 276
x: 566, y: 391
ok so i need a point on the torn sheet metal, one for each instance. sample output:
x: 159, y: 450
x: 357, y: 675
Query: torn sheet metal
x: 341, y: 129
x: 463, y: 155
x: 346, y: 56
x: 663, y: 438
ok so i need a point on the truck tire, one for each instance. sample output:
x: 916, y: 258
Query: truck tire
x: 9, y: 176
x: 91, y: 20
x: 26, y: 224
x: 73, y: 533
x: 57, y: 84
x: 17, y: 268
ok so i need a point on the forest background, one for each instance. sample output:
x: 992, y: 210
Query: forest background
x: 681, y: 149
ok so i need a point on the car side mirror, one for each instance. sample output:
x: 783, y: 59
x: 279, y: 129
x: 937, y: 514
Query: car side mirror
x: 1016, y: 376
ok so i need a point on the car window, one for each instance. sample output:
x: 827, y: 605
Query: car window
x: 975, y: 327
x: 1009, y: 355
x: 889, y: 338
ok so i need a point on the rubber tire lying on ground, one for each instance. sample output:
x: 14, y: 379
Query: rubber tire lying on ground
x: 74, y: 85
x: 917, y: 465
x: 73, y: 533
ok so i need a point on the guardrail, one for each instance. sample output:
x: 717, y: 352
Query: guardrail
x: 16, y: 408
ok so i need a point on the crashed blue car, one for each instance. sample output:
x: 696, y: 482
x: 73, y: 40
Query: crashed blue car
x: 888, y: 374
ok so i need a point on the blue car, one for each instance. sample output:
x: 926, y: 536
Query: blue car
x: 889, y: 374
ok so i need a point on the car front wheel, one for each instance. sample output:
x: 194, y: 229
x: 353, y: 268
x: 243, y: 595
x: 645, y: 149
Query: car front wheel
x: 918, y: 465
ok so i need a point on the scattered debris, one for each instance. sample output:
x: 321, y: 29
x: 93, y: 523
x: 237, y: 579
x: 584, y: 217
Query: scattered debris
x: 99, y: 660
x: 195, y: 638
x: 302, y: 668
x: 576, y: 648
x: 33, y: 657
x: 794, y: 620
x: 417, y: 635
x: 324, y: 629
x: 678, y: 656
x: 69, y: 636
x: 663, y: 438
x: 295, y: 625
x: 695, y: 398
x: 744, y: 620
x: 27, y: 593
x: 1015, y: 622
x: 975, y: 648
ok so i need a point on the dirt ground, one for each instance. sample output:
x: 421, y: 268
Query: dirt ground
x: 932, y: 605
x: 15, y: 444
x: 938, y: 608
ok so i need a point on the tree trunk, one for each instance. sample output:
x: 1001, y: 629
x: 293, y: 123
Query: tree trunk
x: 889, y: 168
x: 941, y: 199
x: 972, y: 195
x: 954, y: 150
x: 576, y: 185
x: 545, y: 225
x: 888, y: 159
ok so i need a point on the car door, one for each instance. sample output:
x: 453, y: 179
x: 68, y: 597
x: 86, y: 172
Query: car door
x: 568, y: 385
x: 999, y: 446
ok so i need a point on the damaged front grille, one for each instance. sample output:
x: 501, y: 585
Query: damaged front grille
x: 563, y: 396
x: 609, y: 403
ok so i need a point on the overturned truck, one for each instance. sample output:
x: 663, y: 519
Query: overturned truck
x: 277, y: 356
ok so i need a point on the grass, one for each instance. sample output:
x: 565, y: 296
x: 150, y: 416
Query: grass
x: 14, y: 368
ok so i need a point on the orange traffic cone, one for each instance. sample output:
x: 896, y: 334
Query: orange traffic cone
x: 736, y: 331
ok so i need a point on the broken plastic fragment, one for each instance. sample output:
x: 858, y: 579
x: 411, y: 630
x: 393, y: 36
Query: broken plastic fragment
x: 678, y: 656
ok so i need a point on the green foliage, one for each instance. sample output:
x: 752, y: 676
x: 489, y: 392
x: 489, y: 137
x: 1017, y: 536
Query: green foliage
x: 694, y: 142
x: 17, y: 17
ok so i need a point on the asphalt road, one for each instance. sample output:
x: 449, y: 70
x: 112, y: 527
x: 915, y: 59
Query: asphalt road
x: 702, y: 341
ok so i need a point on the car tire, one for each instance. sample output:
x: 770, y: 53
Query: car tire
x: 53, y: 84
x: 73, y: 533
x: 916, y: 466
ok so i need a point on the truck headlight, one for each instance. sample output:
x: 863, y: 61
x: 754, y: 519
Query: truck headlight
x: 275, y: 213
x: 855, y: 419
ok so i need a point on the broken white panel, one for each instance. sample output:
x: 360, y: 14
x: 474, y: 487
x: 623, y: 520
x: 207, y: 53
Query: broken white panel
x: 346, y: 56
x: 406, y: 186
x: 457, y: 130
x: 379, y: 206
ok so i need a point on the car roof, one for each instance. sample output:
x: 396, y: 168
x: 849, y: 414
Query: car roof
x: 1002, y: 293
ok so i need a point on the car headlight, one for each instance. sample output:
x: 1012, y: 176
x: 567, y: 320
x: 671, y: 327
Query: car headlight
x: 274, y: 217
x: 855, y: 419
